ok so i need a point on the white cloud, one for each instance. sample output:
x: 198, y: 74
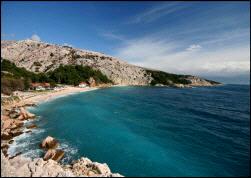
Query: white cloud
x: 157, y: 12
x: 35, y: 37
x: 66, y: 44
x: 113, y: 36
x: 169, y: 57
x: 194, y: 47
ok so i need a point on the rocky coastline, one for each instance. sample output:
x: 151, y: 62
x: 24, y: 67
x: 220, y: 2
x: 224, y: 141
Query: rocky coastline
x: 13, y: 116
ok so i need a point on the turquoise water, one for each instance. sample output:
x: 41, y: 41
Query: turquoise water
x: 147, y: 131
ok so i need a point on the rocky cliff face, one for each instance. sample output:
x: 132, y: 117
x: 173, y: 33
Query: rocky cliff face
x: 25, y: 167
x: 43, y: 57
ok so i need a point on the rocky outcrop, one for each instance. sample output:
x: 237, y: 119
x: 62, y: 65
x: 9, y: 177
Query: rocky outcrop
x: 48, y: 166
x: 11, y: 125
x: 24, y: 167
x: 196, y: 81
x: 49, y: 143
x: 92, y: 82
x: 85, y: 166
x: 54, y: 154
x: 32, y: 126
x: 25, y: 114
x: 43, y: 57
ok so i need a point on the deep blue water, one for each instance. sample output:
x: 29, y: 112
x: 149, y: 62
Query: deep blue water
x: 152, y: 131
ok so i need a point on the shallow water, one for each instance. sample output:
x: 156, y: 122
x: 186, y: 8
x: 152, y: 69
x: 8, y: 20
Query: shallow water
x: 151, y: 131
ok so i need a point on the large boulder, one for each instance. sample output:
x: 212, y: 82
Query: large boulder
x: 6, y: 124
x: 16, y: 132
x: 32, y: 126
x: 82, y: 166
x: 30, y: 115
x: 10, y: 142
x: 19, y: 166
x: 6, y: 136
x: 25, y: 114
x: 49, y: 143
x: 86, y: 167
x: 4, y: 117
x: 21, y: 117
x: 11, y: 124
x: 28, y: 131
x: 53, y: 154
x: 29, y: 104
x: 49, y: 154
x: 101, y: 168
x: 4, y: 148
x: 58, y: 156
x: 92, y: 82
x: 18, y: 123
x: 14, y: 113
x: 116, y: 175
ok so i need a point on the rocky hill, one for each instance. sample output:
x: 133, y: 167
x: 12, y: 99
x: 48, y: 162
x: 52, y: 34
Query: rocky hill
x: 43, y: 57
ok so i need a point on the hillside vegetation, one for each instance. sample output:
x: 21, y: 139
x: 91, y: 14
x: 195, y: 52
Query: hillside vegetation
x: 15, y: 78
x: 164, y: 78
x: 74, y: 74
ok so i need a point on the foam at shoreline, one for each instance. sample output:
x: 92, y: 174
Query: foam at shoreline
x: 26, y: 144
x: 21, y: 142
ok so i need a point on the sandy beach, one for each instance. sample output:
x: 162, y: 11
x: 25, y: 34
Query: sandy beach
x: 36, y: 97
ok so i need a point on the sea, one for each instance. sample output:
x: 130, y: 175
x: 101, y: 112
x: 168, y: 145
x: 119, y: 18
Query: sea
x: 149, y: 131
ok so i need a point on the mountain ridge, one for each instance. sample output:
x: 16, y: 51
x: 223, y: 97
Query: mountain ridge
x: 37, y: 56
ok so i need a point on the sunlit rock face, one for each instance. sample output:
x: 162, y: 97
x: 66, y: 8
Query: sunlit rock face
x: 43, y: 57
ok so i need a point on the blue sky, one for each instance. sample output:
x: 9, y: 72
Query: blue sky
x: 200, y: 38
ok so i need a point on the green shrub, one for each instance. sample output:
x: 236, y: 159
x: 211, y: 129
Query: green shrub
x: 8, y: 85
x: 164, y: 78
x: 68, y: 74
x: 74, y: 74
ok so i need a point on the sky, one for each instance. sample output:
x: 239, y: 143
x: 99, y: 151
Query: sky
x: 208, y: 39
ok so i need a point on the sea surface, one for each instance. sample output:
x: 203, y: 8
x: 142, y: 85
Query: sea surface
x: 150, y: 131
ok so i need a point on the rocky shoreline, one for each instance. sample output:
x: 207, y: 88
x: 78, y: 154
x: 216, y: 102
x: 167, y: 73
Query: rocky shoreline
x: 13, y: 116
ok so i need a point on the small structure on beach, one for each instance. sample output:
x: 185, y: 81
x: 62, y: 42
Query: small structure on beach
x: 40, y: 86
x: 82, y: 85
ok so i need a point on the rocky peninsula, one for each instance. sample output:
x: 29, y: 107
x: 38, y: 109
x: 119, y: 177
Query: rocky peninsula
x: 41, y: 57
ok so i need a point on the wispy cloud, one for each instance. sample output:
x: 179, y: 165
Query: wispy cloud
x: 7, y: 35
x: 169, y: 56
x: 157, y: 12
x: 66, y: 44
x: 211, y: 40
x: 35, y: 37
x: 194, y: 47
x: 113, y: 36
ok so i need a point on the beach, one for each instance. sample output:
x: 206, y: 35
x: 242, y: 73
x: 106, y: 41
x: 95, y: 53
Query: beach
x: 35, y: 97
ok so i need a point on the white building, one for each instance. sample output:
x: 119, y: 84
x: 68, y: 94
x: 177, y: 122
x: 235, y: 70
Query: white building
x: 82, y: 85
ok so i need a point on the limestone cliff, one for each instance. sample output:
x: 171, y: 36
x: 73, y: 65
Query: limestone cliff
x: 43, y: 57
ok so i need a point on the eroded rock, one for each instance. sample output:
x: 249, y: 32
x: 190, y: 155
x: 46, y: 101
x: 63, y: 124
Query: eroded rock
x: 92, y: 82
x: 32, y: 126
x: 53, y: 154
x: 49, y: 143
x: 6, y: 136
